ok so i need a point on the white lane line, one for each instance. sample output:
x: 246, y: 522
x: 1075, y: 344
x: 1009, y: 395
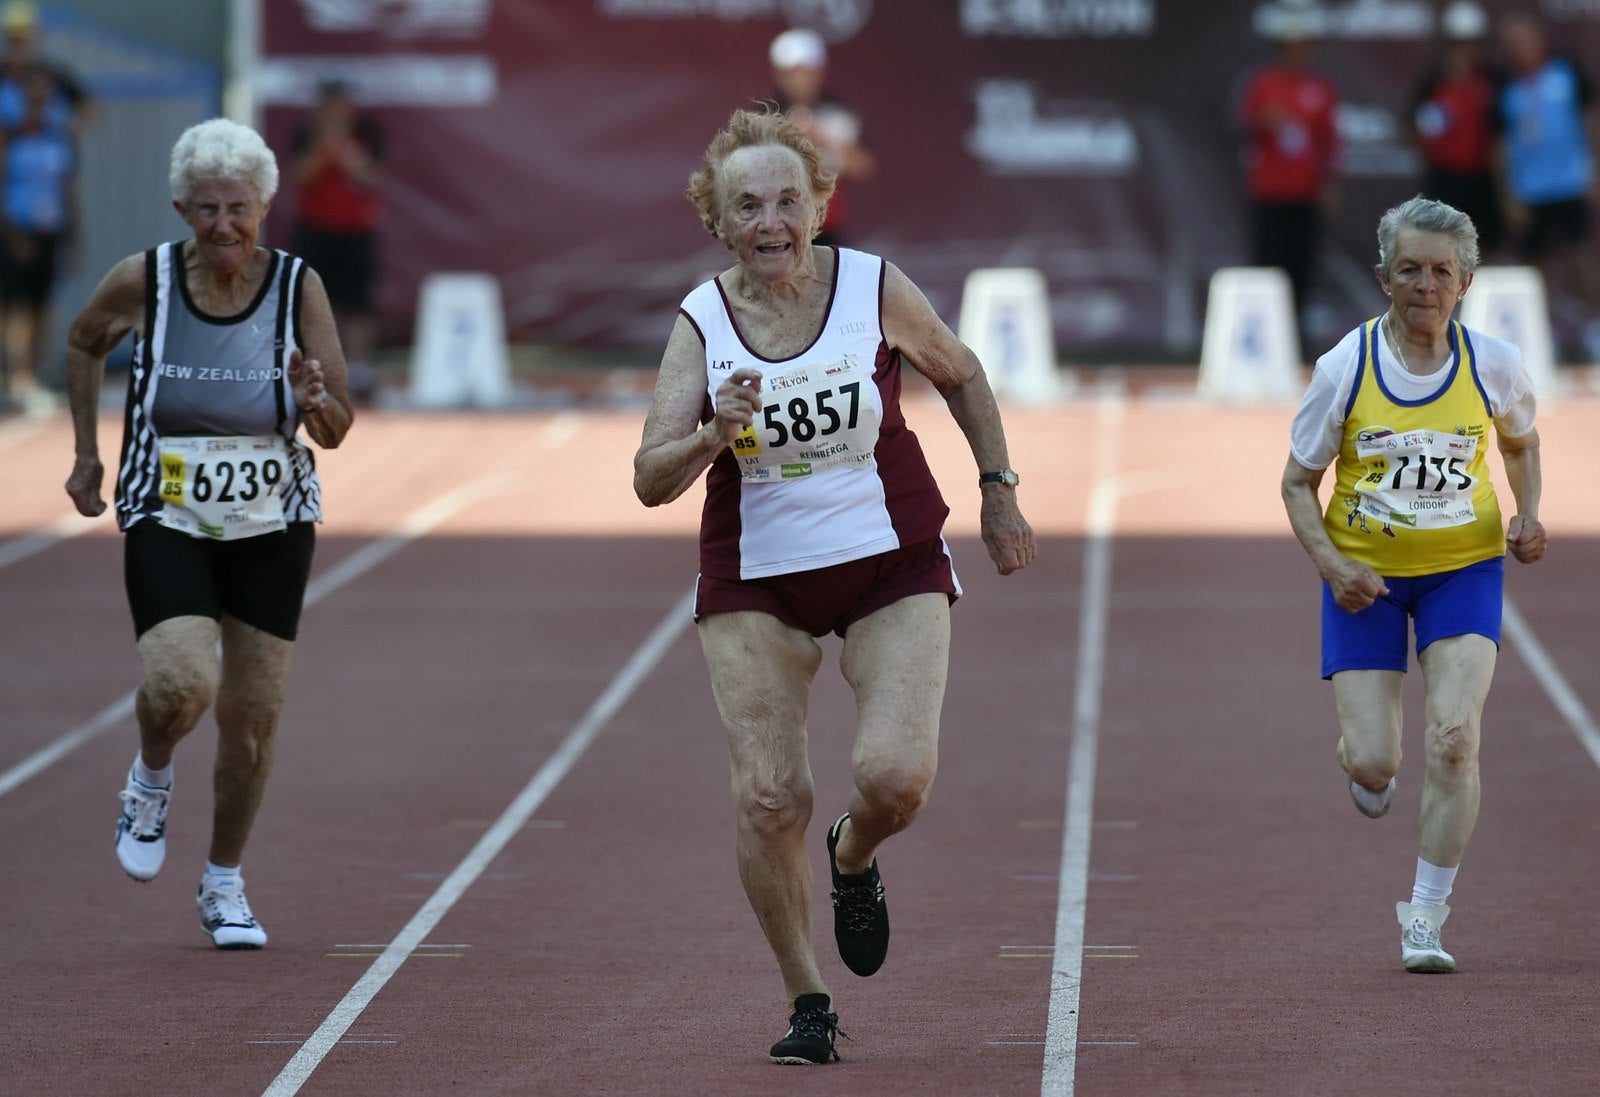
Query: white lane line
x: 1554, y: 682
x: 551, y: 774
x: 63, y: 529
x: 418, y: 524
x: 1066, y: 974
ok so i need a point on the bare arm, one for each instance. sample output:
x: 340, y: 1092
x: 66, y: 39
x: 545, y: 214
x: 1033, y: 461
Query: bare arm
x: 676, y: 447
x: 317, y: 369
x: 912, y: 327
x: 114, y: 309
x: 1355, y: 586
x: 1525, y: 534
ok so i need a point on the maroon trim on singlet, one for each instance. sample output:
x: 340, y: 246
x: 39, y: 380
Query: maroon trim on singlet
x: 916, y: 509
x: 683, y: 312
x: 827, y: 316
x: 720, y: 523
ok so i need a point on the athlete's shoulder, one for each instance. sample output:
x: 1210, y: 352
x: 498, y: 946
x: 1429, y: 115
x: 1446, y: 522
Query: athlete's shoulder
x: 1345, y: 355
x: 702, y: 301
x: 1498, y: 362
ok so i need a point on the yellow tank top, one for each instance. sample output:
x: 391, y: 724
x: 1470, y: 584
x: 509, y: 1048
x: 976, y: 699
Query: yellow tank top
x: 1412, y: 493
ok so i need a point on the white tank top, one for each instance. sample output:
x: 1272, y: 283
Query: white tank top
x: 829, y: 472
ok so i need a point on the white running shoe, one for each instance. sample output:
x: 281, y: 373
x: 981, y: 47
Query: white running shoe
x: 1374, y: 805
x: 225, y: 914
x: 142, y: 829
x: 1420, y: 949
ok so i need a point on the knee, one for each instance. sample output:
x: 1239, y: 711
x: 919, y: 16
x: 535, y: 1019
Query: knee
x: 774, y: 808
x: 897, y: 787
x: 174, y: 697
x: 1452, y: 748
x: 1372, y: 768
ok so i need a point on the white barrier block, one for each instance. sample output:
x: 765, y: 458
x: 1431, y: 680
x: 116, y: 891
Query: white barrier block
x: 1251, y: 346
x: 459, y: 356
x: 1509, y: 303
x: 1005, y: 319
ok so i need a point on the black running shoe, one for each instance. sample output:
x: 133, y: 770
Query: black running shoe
x: 812, y: 1029
x: 860, y: 916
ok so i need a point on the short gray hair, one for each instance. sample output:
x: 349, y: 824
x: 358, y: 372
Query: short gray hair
x: 220, y: 149
x: 1428, y: 215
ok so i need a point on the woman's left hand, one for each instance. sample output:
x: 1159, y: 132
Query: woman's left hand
x: 1005, y: 531
x: 305, y: 381
x: 1526, y: 539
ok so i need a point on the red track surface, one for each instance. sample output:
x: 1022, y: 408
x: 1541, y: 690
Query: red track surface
x: 1239, y: 937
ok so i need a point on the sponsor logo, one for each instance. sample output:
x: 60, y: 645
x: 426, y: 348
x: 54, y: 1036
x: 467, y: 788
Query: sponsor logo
x: 1403, y: 519
x: 782, y: 381
x: 791, y: 470
x: 1059, y: 18
x: 1413, y: 19
x: 398, y: 18
x: 1012, y: 138
x: 855, y: 327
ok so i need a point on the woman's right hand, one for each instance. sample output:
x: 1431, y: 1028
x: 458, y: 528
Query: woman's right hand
x: 1355, y: 586
x: 738, y: 403
x: 84, y: 486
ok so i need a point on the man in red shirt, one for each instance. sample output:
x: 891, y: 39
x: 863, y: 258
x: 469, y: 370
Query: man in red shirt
x: 1288, y: 117
x: 1452, y: 117
x: 338, y: 166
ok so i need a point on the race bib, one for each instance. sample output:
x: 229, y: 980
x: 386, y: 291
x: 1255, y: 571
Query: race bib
x: 815, y: 417
x: 1419, y: 478
x: 224, y: 488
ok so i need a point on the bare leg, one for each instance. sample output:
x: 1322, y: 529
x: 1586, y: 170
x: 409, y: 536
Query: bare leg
x: 896, y: 660
x: 255, y: 677
x: 761, y: 672
x: 179, y: 660
x: 1458, y: 671
x: 1369, y: 725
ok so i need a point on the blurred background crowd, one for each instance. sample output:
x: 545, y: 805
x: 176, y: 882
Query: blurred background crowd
x: 1127, y: 149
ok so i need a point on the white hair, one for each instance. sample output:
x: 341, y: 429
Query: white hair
x: 220, y: 149
x: 1428, y: 215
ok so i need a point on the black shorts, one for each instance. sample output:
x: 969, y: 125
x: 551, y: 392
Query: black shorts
x: 346, y: 262
x: 28, y: 280
x: 258, y: 580
x: 1553, y: 226
x: 832, y: 599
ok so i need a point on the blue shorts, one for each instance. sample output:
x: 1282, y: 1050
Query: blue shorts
x: 1450, y: 603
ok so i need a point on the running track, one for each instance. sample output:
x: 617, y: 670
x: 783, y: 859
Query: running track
x: 495, y: 857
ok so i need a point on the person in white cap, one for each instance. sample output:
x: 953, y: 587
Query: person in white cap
x: 799, y: 70
x: 1452, y: 119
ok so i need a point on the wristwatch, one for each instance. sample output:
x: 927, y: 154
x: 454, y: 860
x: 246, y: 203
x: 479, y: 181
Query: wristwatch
x: 1008, y: 477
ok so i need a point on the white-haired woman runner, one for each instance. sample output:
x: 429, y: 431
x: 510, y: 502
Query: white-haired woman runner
x: 217, y: 496
x: 1412, y: 535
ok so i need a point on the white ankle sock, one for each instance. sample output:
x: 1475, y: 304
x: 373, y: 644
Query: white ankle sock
x: 1433, y: 884
x: 216, y: 874
x: 155, y: 778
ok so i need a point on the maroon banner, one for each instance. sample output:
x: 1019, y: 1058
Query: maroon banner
x: 548, y: 142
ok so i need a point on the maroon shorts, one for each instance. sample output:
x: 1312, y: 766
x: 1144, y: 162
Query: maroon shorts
x: 834, y: 598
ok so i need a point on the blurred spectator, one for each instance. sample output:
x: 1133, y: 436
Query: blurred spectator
x: 69, y: 105
x: 1292, y: 152
x: 1452, y: 117
x: 1550, y: 125
x: 338, y: 165
x: 799, y: 69
x: 38, y: 171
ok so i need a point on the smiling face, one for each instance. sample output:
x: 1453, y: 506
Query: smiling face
x: 1425, y: 280
x: 769, y: 214
x: 226, y: 216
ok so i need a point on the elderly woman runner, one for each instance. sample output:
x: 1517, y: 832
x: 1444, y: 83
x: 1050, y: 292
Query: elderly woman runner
x: 782, y: 377
x: 1402, y: 409
x: 234, y: 351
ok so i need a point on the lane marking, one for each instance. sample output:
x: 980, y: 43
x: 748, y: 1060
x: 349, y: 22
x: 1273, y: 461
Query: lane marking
x: 1066, y: 974
x: 29, y: 544
x: 1554, y: 682
x: 419, y: 523
x: 551, y: 774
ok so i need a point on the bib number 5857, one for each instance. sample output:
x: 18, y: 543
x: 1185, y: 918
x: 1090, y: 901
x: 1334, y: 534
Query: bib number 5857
x: 807, y: 420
